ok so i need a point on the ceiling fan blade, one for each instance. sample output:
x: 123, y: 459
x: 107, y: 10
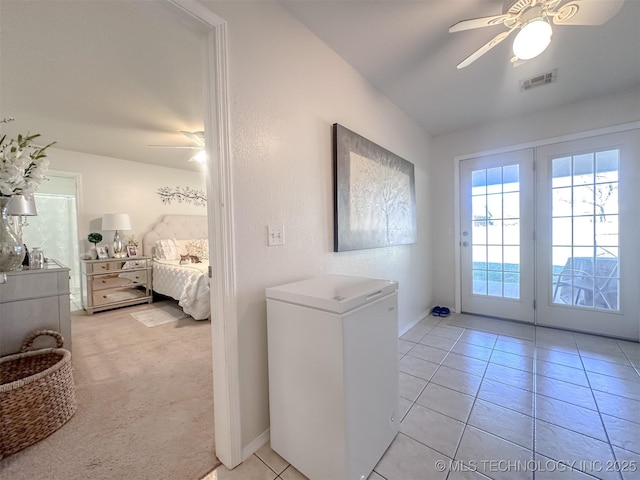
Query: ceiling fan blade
x: 195, y: 137
x: 479, y: 22
x: 582, y: 12
x: 174, y: 146
x: 484, y: 49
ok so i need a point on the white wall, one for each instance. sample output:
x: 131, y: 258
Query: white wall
x: 111, y: 185
x: 287, y: 88
x: 599, y: 112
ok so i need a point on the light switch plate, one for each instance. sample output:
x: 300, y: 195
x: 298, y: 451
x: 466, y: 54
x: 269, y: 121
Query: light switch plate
x: 275, y: 235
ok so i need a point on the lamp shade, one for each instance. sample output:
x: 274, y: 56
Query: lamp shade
x: 22, y: 205
x: 116, y: 221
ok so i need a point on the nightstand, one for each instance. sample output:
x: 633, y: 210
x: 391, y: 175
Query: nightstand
x: 115, y: 282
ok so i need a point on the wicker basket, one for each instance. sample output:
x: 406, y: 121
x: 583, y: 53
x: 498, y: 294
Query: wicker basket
x: 37, y: 394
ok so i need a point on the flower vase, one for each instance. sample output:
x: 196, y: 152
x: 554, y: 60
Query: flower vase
x: 11, y: 247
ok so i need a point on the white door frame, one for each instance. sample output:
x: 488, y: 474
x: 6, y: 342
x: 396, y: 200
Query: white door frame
x: 538, y: 143
x: 224, y: 331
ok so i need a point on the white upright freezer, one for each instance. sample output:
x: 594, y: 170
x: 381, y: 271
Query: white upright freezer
x: 333, y: 374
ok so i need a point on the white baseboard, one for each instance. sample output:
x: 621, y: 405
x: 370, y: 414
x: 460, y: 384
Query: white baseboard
x: 421, y: 317
x: 255, y: 444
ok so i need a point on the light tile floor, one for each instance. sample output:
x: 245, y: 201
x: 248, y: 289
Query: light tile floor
x: 484, y: 398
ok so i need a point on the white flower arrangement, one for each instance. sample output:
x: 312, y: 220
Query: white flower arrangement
x: 22, y: 165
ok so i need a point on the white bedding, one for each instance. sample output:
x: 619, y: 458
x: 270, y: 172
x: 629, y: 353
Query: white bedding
x: 189, y: 284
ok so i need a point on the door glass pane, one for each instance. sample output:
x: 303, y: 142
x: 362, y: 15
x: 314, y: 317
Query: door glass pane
x: 479, y: 182
x: 561, y: 202
x: 494, y: 232
x: 494, y: 206
x: 561, y: 231
x: 607, y: 166
x: 561, y: 172
x: 511, y: 205
x: 494, y: 180
x: 583, y: 169
x: 511, y: 235
x: 495, y: 209
x: 606, y: 198
x: 585, y: 244
x: 583, y: 203
x: 583, y: 231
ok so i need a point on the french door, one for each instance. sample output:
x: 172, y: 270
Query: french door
x: 583, y: 270
x: 588, y: 273
x: 497, y: 235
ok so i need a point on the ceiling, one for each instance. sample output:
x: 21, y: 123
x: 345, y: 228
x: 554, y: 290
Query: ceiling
x: 104, y: 77
x: 405, y: 50
x: 111, y: 78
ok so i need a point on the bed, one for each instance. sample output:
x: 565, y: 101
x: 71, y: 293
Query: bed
x: 179, y: 248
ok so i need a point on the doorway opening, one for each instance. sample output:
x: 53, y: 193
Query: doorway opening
x: 55, y: 228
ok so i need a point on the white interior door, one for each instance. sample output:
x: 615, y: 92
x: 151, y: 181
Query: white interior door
x: 588, y: 266
x: 496, y: 244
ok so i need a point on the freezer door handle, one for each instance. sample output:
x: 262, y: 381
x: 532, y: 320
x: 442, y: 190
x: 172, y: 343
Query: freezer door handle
x: 373, y: 295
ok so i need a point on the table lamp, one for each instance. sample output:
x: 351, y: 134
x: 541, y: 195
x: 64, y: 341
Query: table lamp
x: 117, y: 222
x: 21, y: 206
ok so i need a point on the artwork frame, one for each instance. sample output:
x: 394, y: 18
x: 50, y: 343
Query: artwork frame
x: 103, y: 252
x: 132, y: 251
x: 374, y: 194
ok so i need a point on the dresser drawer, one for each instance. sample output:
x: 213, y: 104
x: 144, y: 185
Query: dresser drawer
x: 115, y: 265
x: 101, y: 282
x: 25, y: 286
x: 136, y: 264
x: 98, y: 267
x: 115, y: 295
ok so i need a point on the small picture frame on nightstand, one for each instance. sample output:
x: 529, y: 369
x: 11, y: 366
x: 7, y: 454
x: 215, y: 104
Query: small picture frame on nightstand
x: 132, y: 251
x: 103, y: 252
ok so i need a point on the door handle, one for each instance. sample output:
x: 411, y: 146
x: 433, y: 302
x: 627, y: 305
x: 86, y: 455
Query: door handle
x: 465, y: 244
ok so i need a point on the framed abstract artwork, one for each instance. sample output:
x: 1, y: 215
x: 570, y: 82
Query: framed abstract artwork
x: 374, y: 194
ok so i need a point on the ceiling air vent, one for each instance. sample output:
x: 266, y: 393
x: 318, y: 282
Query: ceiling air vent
x: 539, y: 80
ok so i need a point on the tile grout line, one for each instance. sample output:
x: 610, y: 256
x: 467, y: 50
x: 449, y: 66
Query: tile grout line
x: 633, y: 365
x: 464, y: 329
x: 432, y: 375
x: 277, y: 475
x: 595, y: 401
x: 475, y: 397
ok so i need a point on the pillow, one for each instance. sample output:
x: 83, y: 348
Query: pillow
x: 167, y: 250
x: 198, y: 247
x: 182, y: 246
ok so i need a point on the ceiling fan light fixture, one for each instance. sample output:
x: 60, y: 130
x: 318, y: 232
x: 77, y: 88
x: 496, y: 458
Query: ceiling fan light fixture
x: 532, y: 39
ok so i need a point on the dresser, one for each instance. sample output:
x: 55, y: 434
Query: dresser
x: 115, y: 282
x: 33, y: 300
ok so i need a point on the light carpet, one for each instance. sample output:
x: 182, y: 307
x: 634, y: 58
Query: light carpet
x: 145, y: 404
x: 159, y: 316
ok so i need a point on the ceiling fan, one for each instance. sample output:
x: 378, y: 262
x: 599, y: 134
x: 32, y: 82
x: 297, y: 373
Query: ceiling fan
x: 198, y: 144
x: 530, y: 18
